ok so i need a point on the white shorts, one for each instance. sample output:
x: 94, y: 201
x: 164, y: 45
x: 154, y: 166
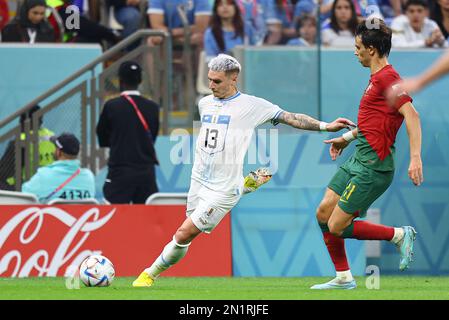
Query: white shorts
x: 206, y: 207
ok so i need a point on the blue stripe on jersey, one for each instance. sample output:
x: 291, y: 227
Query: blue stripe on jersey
x: 207, y: 118
x: 224, y: 119
x: 278, y: 114
x: 230, y: 98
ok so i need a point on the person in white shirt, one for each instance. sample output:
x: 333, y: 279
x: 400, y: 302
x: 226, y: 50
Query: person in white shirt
x: 339, y: 31
x: 228, y: 119
x: 415, y: 29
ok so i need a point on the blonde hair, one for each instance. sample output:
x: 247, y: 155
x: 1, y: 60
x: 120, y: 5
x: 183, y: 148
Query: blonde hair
x: 224, y: 63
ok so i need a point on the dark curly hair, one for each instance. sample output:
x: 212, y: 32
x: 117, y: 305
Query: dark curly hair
x: 375, y: 33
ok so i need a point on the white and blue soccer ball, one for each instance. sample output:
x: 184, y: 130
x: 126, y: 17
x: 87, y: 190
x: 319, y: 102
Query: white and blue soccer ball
x: 97, y: 271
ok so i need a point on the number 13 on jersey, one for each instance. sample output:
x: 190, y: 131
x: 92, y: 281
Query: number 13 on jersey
x: 214, y: 129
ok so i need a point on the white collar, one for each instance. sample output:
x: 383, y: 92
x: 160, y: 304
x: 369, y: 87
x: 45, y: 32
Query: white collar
x: 131, y: 92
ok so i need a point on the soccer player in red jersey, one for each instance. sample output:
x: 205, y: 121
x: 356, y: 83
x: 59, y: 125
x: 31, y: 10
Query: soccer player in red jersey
x: 369, y: 171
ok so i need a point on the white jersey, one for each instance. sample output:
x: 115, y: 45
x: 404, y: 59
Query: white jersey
x: 404, y: 36
x: 227, y: 126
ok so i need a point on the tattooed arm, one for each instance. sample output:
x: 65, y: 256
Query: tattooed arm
x: 305, y: 122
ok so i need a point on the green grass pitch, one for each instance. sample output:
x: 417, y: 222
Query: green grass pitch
x: 167, y: 288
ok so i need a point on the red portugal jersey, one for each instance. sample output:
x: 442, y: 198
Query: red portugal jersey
x: 379, y: 122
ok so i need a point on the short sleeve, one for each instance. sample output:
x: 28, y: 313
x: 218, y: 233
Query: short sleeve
x: 390, y: 82
x: 202, y: 7
x: 155, y: 6
x: 266, y: 111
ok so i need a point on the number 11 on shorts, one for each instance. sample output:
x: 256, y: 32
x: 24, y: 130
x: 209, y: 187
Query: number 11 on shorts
x: 348, y: 191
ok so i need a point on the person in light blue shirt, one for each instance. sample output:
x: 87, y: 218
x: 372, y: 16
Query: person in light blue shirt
x: 285, y: 10
x: 164, y: 15
x: 339, y: 31
x: 307, y: 31
x: 63, y: 178
x: 390, y: 8
x: 363, y: 8
x: 226, y: 29
x: 308, y: 7
x: 260, y: 17
x: 366, y: 8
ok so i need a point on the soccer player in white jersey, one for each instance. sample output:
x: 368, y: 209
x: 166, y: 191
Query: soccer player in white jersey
x: 228, y: 119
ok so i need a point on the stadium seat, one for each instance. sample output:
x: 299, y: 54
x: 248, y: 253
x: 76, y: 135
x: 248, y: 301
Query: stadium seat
x: 202, y: 82
x: 15, y: 197
x: 161, y: 198
x: 76, y: 201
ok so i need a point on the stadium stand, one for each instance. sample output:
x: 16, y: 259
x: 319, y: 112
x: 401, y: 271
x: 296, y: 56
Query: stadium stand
x: 15, y: 197
x: 164, y: 198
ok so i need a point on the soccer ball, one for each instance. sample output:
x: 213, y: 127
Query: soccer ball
x: 97, y: 271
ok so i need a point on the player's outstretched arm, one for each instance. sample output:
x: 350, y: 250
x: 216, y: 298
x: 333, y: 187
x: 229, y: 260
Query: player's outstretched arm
x: 411, y: 116
x: 436, y: 71
x: 305, y: 122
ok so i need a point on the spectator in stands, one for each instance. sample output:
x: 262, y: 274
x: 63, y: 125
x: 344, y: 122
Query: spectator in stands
x: 127, y: 13
x: 63, y: 178
x: 87, y: 31
x: 390, y: 8
x: 46, y: 151
x: 129, y: 126
x: 307, y: 32
x: 440, y: 14
x: 29, y: 25
x: 366, y: 8
x: 340, y: 31
x: 226, y: 29
x: 414, y: 29
x: 259, y: 16
x: 164, y: 15
x: 285, y: 12
x: 363, y: 8
x: 170, y: 16
x: 309, y: 7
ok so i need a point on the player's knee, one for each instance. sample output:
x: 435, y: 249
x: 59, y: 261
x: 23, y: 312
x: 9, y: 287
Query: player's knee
x: 323, y: 213
x: 184, y: 236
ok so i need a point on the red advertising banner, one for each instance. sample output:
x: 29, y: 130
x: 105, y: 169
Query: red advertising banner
x: 46, y: 240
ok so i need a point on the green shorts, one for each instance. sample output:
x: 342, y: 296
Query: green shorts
x: 359, y: 186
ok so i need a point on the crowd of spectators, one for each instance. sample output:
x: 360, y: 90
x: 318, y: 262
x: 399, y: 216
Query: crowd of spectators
x: 219, y: 25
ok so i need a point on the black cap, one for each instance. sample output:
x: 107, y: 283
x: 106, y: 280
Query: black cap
x: 130, y: 72
x: 67, y: 143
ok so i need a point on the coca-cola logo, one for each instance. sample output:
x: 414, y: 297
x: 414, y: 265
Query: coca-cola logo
x: 32, y: 221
